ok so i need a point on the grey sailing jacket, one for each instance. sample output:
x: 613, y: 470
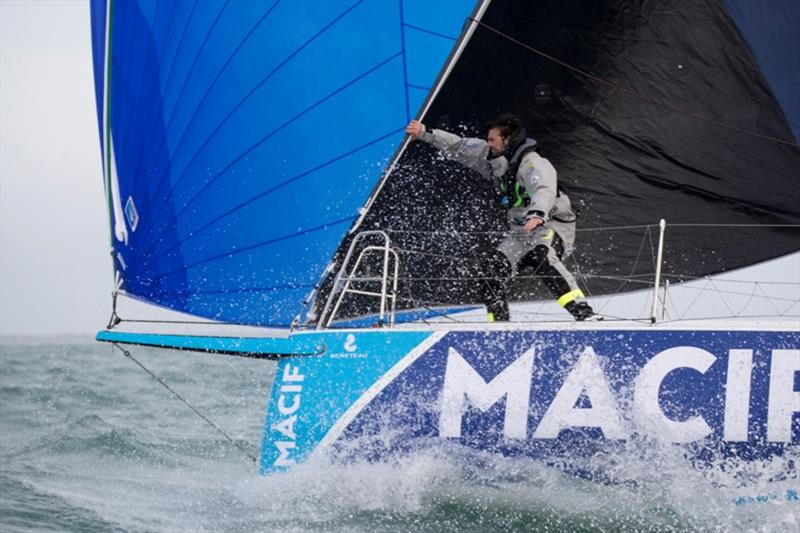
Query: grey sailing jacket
x: 535, y: 173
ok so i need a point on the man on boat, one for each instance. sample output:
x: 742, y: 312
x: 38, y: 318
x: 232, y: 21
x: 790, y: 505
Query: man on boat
x: 541, y: 219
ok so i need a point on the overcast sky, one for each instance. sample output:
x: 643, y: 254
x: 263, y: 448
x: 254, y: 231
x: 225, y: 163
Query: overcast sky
x: 55, y: 271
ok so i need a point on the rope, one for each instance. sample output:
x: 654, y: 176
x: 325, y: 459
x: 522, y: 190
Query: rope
x: 642, y: 97
x: 603, y: 228
x: 678, y: 225
x: 505, y: 231
x: 190, y: 406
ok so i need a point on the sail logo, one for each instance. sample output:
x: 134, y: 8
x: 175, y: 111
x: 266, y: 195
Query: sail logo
x: 131, y: 214
x: 586, y: 399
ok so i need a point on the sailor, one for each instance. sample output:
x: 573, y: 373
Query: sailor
x: 541, y: 220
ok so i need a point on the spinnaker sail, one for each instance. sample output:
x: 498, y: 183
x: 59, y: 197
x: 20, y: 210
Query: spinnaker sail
x: 243, y: 137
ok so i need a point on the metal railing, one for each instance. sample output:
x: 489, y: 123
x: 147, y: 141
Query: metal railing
x: 347, y: 281
x: 656, y: 284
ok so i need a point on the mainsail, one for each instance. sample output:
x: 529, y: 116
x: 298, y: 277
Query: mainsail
x: 687, y: 111
x: 240, y: 139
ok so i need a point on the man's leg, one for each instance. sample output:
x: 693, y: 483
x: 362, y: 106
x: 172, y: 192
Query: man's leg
x: 496, y: 270
x: 545, y: 261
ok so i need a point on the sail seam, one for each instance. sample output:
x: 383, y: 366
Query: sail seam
x: 161, y: 49
x: 179, y: 47
x: 405, y: 61
x: 241, y: 103
x: 190, y: 72
x: 311, y: 171
x: 213, y: 84
x: 430, y: 32
x: 274, y: 132
x: 150, y: 134
x: 182, y: 90
x: 257, y: 245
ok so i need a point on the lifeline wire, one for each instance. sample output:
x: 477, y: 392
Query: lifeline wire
x: 178, y: 396
x: 633, y: 93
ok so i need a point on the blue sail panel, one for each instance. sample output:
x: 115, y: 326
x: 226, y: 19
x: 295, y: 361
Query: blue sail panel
x: 247, y: 135
x: 771, y: 31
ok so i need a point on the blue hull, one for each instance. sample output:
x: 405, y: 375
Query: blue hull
x: 560, y: 396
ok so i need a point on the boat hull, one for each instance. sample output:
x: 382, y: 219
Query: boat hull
x: 557, y: 395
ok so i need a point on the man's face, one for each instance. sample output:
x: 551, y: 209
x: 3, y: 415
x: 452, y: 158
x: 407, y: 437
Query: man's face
x: 497, y: 143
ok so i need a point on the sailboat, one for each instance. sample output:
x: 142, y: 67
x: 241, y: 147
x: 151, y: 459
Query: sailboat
x: 260, y: 184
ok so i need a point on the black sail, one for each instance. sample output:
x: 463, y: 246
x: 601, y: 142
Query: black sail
x: 648, y: 110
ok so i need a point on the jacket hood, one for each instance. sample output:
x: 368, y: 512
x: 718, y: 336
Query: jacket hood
x: 518, y: 138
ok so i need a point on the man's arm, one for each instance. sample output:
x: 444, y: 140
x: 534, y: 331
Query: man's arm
x: 470, y: 152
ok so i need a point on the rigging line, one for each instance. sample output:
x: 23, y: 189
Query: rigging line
x: 630, y: 92
x: 721, y: 317
x: 615, y: 228
x: 560, y: 317
x: 721, y: 297
x: 271, y: 190
x: 501, y: 232
x: 208, y: 91
x: 736, y: 293
x: 192, y: 322
x: 188, y: 322
x: 700, y: 292
x: 274, y: 132
x: 190, y: 406
x: 753, y: 282
x: 686, y: 278
x: 734, y: 225
x: 757, y: 288
x: 635, y: 261
x: 444, y: 232
x: 257, y: 245
x: 249, y: 94
x: 630, y: 280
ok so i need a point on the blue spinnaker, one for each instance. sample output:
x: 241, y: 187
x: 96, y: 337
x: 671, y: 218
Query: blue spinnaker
x: 245, y: 136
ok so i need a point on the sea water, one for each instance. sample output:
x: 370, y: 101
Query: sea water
x: 90, y: 442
